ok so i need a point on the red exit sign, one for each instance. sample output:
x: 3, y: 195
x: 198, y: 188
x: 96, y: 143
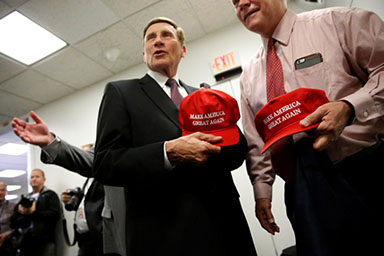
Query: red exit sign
x: 225, y: 62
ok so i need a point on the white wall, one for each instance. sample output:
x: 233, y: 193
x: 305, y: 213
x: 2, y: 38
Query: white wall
x: 73, y: 118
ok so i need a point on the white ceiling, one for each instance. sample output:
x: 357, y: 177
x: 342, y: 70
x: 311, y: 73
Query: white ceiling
x: 91, y: 27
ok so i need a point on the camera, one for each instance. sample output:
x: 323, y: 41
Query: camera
x: 76, y: 196
x: 26, y: 201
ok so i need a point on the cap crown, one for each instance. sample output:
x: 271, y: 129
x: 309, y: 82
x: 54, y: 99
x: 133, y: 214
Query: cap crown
x: 281, y: 116
x: 209, y: 111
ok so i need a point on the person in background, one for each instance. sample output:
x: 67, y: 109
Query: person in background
x: 98, y: 202
x: 336, y: 172
x: 35, y: 218
x: 6, y: 211
x: 180, y: 200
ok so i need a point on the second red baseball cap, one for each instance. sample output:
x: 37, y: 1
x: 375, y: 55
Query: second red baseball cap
x: 281, y: 116
x: 210, y: 111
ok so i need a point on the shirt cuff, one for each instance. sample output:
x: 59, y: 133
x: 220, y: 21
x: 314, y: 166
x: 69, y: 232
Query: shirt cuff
x: 167, y: 164
x: 363, y: 105
x: 49, y: 152
x: 262, y: 190
x: 56, y: 140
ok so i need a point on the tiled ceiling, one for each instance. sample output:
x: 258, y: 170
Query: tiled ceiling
x: 91, y: 28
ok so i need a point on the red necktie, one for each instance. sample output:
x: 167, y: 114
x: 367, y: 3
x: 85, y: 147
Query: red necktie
x: 175, y: 94
x: 282, y: 151
x: 275, y: 77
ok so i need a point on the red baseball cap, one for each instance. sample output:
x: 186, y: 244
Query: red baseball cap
x: 281, y: 116
x: 210, y: 111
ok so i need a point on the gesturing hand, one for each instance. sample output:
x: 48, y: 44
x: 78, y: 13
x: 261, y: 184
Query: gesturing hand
x: 36, y: 134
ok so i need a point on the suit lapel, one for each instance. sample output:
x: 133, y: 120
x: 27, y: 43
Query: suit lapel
x: 188, y: 88
x: 160, y: 99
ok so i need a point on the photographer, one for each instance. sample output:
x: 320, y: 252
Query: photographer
x: 35, y: 218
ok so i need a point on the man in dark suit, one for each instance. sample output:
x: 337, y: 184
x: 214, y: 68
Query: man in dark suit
x: 106, y: 235
x: 180, y: 196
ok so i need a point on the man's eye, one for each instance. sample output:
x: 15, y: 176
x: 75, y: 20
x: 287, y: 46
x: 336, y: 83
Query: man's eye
x: 150, y: 37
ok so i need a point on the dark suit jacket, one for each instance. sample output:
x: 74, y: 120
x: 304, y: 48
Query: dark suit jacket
x: 187, y: 211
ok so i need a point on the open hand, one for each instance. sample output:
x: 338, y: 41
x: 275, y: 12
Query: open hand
x: 34, y: 133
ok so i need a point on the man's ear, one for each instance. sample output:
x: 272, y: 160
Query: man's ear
x: 184, y: 50
x: 144, y: 57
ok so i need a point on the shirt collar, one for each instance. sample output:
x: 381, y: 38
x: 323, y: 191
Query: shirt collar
x: 160, y: 78
x: 284, y: 29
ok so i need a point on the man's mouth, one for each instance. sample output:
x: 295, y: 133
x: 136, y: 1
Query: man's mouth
x: 249, y: 13
x: 159, y: 53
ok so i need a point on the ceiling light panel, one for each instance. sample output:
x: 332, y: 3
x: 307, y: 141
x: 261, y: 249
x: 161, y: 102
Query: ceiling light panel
x: 13, y: 149
x: 8, y: 173
x: 13, y: 187
x: 10, y: 197
x: 25, y: 41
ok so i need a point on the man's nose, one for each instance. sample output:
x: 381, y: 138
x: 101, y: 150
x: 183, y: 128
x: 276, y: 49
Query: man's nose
x: 243, y: 4
x: 158, y: 41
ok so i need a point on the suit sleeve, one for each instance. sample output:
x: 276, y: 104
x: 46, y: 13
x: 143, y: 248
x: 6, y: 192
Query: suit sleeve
x: 69, y: 157
x: 116, y: 161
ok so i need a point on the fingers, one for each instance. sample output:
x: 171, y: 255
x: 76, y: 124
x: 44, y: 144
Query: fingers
x: 18, y: 128
x: 207, y: 141
x: 268, y: 224
x: 65, y: 197
x: 18, y: 123
x: 333, y: 118
x: 35, y: 117
x: 194, y: 148
x: 265, y: 216
x: 313, y: 118
x: 322, y: 142
x: 207, y: 137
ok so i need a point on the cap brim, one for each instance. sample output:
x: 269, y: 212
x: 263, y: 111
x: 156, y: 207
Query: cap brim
x: 230, y: 136
x: 287, y: 131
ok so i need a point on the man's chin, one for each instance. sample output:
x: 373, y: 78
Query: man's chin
x: 160, y: 65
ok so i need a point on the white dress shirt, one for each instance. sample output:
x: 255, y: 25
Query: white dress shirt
x: 161, y: 80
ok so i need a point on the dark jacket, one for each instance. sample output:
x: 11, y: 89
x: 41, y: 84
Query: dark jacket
x: 44, y: 219
x: 187, y: 211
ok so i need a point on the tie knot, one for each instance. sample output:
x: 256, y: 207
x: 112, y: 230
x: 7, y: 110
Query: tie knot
x: 171, y: 83
x: 271, y: 43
